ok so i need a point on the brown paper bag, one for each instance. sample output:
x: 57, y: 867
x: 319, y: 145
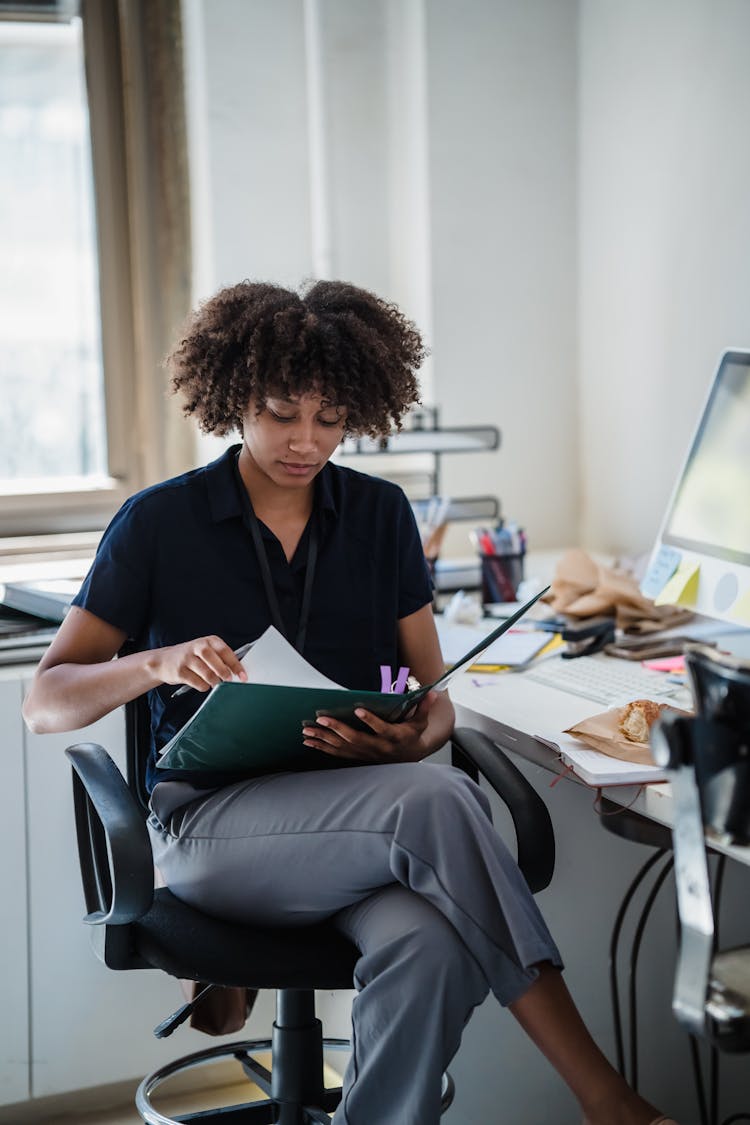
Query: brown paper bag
x: 582, y: 587
x: 601, y: 732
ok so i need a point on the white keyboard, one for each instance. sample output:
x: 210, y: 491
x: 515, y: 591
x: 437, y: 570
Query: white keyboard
x: 607, y: 680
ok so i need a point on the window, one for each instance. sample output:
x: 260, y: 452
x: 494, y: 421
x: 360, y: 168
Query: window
x: 52, y: 427
x: 95, y: 241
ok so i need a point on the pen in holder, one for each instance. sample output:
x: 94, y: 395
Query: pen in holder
x: 501, y: 577
x: 502, y: 551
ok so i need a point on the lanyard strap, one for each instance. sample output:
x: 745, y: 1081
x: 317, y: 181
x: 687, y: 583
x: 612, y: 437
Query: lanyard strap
x: 265, y: 570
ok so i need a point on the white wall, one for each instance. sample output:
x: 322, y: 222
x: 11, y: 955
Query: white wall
x: 255, y: 139
x: 501, y: 96
x: 431, y: 157
x: 554, y: 190
x: 247, y: 105
x: 664, y: 231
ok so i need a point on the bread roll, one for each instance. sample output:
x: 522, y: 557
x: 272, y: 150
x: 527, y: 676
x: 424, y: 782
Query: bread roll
x: 637, y: 719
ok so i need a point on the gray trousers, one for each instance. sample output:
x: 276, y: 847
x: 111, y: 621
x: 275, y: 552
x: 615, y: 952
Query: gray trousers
x: 405, y: 860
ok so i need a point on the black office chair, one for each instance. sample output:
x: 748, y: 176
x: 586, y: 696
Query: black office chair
x: 138, y: 927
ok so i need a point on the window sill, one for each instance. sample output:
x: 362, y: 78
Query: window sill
x: 54, y: 513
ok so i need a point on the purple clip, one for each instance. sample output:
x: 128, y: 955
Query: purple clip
x: 400, y: 684
x: 385, y: 678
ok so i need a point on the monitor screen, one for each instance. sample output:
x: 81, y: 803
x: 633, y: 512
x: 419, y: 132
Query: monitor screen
x: 710, y: 510
x: 701, y: 559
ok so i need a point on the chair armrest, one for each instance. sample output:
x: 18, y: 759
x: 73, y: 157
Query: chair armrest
x: 114, y: 850
x: 473, y: 752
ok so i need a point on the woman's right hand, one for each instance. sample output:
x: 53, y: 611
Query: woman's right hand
x: 199, y: 664
x: 77, y: 681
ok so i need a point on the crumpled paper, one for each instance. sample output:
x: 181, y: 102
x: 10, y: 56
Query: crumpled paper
x: 601, y: 732
x: 582, y: 587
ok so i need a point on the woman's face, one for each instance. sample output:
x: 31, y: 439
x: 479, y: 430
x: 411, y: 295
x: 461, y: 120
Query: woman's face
x: 291, y: 439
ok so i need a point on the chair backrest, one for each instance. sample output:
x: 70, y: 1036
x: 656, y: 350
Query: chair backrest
x: 138, y: 746
x: 137, y: 740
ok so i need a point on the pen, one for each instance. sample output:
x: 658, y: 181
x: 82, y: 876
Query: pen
x: 486, y: 543
x: 239, y: 652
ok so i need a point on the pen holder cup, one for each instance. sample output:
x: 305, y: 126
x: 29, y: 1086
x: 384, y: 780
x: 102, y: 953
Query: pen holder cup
x: 501, y: 577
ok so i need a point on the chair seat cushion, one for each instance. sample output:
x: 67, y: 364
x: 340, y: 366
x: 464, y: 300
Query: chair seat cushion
x: 185, y: 943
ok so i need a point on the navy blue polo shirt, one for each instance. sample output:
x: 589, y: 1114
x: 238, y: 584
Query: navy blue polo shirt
x: 178, y: 562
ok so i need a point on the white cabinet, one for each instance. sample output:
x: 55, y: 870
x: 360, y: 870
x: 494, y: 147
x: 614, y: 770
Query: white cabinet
x: 86, y: 1024
x: 14, y: 1026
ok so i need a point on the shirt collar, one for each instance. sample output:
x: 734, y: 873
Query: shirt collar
x: 225, y: 502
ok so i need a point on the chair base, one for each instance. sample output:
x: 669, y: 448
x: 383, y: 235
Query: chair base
x: 262, y: 1111
x: 266, y: 1110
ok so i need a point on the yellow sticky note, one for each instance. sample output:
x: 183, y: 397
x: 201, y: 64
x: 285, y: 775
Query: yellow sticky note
x: 682, y: 588
x: 740, y: 611
x: 553, y: 643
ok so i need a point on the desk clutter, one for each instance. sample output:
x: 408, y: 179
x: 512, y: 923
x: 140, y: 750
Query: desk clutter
x: 584, y: 588
x: 596, y: 638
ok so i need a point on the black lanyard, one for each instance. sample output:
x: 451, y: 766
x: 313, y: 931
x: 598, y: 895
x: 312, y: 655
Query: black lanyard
x: 265, y: 568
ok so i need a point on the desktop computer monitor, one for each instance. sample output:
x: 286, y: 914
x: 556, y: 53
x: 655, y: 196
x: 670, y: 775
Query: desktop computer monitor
x: 701, y: 558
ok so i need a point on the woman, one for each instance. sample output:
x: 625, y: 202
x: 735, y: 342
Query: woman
x: 401, y: 854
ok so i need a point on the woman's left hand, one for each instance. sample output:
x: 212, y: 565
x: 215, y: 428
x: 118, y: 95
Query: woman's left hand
x: 382, y: 742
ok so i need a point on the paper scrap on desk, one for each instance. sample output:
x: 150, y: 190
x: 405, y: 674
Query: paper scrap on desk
x: 740, y: 611
x: 556, y: 641
x: 483, y: 679
x: 666, y: 664
x: 682, y: 588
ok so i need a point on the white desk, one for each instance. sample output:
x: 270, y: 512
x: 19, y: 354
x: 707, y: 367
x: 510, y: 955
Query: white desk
x: 513, y: 710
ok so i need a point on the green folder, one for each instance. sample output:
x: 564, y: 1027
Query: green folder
x: 249, y: 727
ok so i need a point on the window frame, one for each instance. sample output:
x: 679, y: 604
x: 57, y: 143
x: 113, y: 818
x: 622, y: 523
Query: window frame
x: 134, y: 81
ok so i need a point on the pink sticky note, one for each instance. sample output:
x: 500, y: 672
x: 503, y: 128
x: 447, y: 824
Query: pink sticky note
x: 666, y: 664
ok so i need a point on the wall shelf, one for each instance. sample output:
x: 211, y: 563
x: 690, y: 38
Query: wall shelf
x: 448, y: 439
x: 423, y: 434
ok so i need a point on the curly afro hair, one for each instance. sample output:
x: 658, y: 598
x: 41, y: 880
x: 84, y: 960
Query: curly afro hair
x: 255, y: 340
